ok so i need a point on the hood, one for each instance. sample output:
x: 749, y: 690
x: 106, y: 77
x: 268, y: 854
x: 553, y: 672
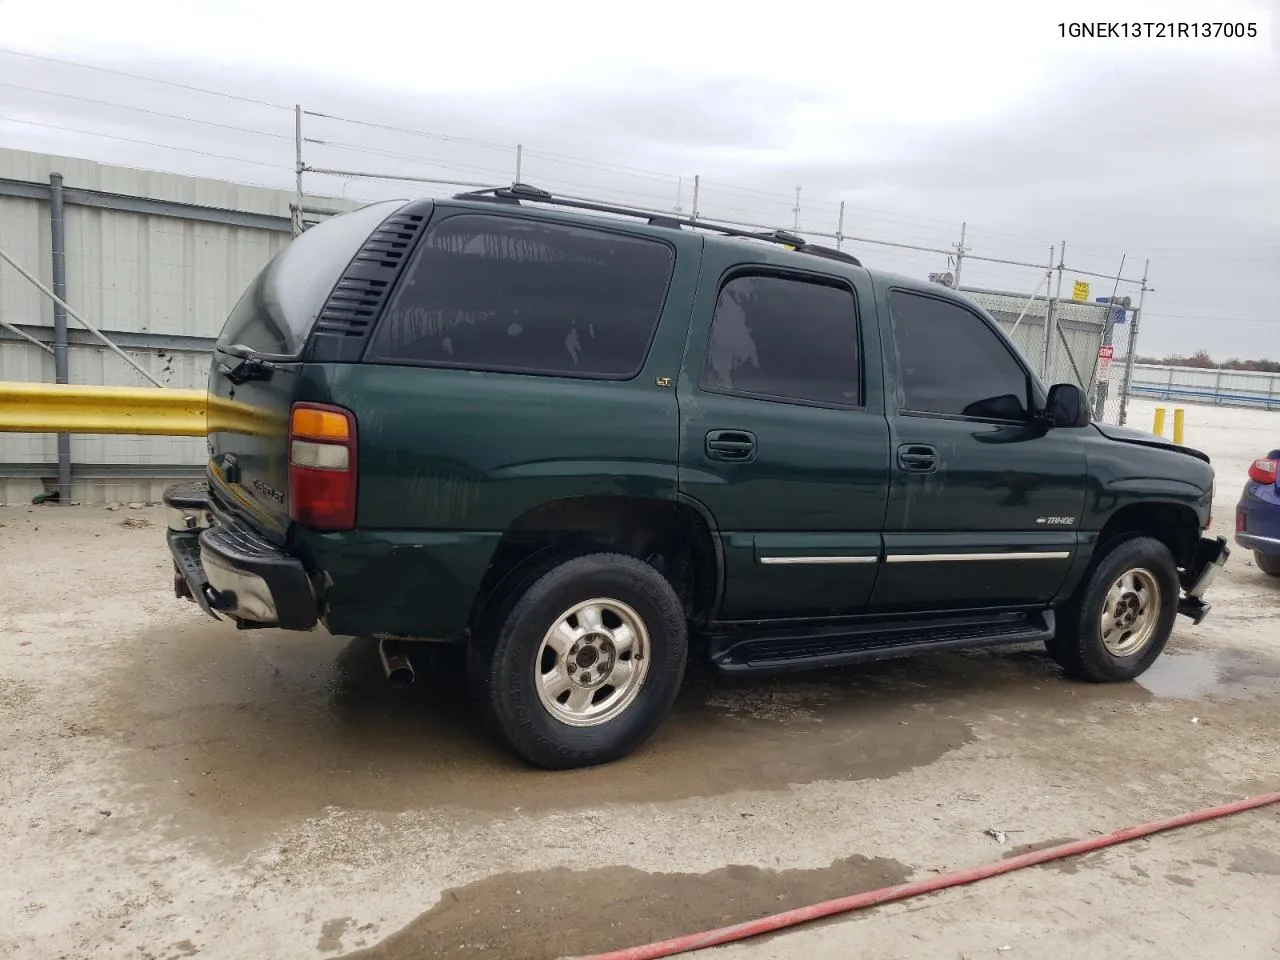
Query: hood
x: 1129, y: 435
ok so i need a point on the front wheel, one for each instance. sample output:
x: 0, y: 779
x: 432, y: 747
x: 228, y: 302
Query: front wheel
x: 586, y: 662
x: 1121, y: 616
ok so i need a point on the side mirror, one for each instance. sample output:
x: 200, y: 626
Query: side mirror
x: 1067, y: 406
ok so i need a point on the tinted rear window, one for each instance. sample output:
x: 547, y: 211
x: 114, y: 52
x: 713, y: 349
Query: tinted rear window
x: 279, y: 308
x: 501, y: 293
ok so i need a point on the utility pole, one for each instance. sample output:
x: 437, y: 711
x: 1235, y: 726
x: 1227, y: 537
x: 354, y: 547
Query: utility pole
x: 297, y: 146
x: 960, y: 254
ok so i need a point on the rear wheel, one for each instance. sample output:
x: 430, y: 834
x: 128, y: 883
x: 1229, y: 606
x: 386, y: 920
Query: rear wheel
x: 1121, y: 617
x: 586, y: 661
x: 1267, y: 563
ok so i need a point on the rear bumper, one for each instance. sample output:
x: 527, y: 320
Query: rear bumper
x: 230, y: 570
x: 1209, y: 559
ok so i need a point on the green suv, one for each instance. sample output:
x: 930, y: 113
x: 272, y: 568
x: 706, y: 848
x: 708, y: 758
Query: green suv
x: 588, y: 443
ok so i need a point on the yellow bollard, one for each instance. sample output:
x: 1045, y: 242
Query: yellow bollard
x: 1158, y: 427
x: 1177, y: 425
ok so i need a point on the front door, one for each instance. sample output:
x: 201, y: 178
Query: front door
x: 783, y: 437
x: 984, y: 506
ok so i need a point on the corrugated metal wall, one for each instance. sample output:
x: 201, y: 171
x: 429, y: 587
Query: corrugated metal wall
x: 154, y: 260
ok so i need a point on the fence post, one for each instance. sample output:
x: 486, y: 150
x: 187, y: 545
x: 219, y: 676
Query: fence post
x: 840, y: 227
x: 1050, y: 302
x: 58, y: 235
x: 1271, y: 391
x: 1217, y: 388
x: 519, y: 160
x: 697, y: 185
x: 960, y: 254
x: 1133, y: 346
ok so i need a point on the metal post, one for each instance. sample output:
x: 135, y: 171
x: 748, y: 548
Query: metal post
x: 960, y: 254
x: 697, y: 184
x: 519, y: 159
x: 796, y: 212
x: 297, y: 146
x: 840, y: 227
x: 1048, y: 322
x: 1102, y: 388
x: 679, y: 194
x: 58, y: 233
x: 1133, y: 345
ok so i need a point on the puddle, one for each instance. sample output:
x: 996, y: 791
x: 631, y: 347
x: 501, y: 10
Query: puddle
x: 1222, y: 674
x: 203, y: 711
x: 546, y: 914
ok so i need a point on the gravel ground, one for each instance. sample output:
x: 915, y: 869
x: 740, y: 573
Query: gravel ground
x: 172, y: 788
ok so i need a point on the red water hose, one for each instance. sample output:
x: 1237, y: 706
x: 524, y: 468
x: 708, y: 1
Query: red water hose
x: 790, y: 918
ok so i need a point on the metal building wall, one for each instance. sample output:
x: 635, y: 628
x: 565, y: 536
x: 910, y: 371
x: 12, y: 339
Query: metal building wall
x: 154, y: 260
x: 1082, y: 324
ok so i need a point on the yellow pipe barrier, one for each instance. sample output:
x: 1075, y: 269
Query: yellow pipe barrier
x: 1158, y: 427
x: 1177, y: 425
x: 147, y: 411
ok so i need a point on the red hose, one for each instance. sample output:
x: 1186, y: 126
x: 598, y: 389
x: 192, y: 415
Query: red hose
x: 790, y: 918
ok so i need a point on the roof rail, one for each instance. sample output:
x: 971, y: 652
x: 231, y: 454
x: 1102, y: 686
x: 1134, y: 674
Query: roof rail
x: 523, y: 192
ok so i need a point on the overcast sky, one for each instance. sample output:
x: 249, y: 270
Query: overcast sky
x: 918, y: 117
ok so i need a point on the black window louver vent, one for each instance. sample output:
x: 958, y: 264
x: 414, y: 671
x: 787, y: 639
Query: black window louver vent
x: 359, y: 294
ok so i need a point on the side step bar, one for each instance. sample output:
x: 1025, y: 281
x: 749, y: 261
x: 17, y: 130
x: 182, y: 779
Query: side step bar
x: 777, y: 649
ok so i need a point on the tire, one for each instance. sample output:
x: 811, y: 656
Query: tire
x: 1135, y: 579
x: 548, y: 691
x: 1267, y: 563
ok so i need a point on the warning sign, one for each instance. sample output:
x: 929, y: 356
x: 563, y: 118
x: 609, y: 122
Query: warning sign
x: 1080, y: 291
x: 1105, y: 353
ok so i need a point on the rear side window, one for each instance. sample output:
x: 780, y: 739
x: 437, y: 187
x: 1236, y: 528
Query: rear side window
x: 782, y: 338
x: 950, y: 362
x: 522, y: 296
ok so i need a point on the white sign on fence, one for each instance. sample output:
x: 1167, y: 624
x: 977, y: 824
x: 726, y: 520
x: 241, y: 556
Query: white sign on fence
x: 1105, y: 353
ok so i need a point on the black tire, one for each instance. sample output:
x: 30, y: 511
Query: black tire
x: 1078, y: 646
x: 1268, y: 564
x: 503, y: 666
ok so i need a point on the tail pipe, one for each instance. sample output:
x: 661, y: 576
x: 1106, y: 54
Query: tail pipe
x: 396, y: 664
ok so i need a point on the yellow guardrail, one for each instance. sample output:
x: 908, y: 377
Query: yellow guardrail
x: 72, y: 408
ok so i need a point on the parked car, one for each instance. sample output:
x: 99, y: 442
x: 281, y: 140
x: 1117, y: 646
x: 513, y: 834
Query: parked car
x: 1258, y: 514
x: 588, y: 443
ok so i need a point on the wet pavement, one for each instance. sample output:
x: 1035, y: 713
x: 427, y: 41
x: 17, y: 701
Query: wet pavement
x: 174, y: 788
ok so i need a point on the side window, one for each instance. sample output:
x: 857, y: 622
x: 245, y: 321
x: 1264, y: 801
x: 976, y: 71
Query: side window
x: 500, y: 293
x: 951, y: 363
x: 784, y: 339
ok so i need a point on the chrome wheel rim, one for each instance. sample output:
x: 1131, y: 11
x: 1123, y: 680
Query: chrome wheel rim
x: 1130, y: 612
x: 592, y: 663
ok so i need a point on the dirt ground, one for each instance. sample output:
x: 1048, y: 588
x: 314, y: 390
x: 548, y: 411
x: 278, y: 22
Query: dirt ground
x: 172, y: 788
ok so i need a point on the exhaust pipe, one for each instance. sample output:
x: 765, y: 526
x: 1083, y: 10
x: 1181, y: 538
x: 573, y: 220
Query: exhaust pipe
x: 396, y: 664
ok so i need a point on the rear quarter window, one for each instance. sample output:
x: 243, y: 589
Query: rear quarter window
x: 278, y: 309
x: 524, y: 296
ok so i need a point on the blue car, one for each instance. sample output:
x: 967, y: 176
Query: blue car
x: 1258, y: 514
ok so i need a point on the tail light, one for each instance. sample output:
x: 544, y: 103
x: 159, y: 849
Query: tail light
x: 1241, y: 522
x: 322, y: 466
x: 1263, y: 471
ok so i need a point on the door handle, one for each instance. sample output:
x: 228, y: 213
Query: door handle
x: 917, y: 458
x: 733, y: 445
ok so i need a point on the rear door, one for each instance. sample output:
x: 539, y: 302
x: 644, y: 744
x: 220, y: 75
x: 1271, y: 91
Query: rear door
x: 254, y: 374
x: 984, y: 506
x: 782, y: 433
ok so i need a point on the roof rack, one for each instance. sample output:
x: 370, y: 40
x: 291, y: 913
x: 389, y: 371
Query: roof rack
x: 523, y: 192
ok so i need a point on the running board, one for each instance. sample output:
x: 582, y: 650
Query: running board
x: 776, y: 649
